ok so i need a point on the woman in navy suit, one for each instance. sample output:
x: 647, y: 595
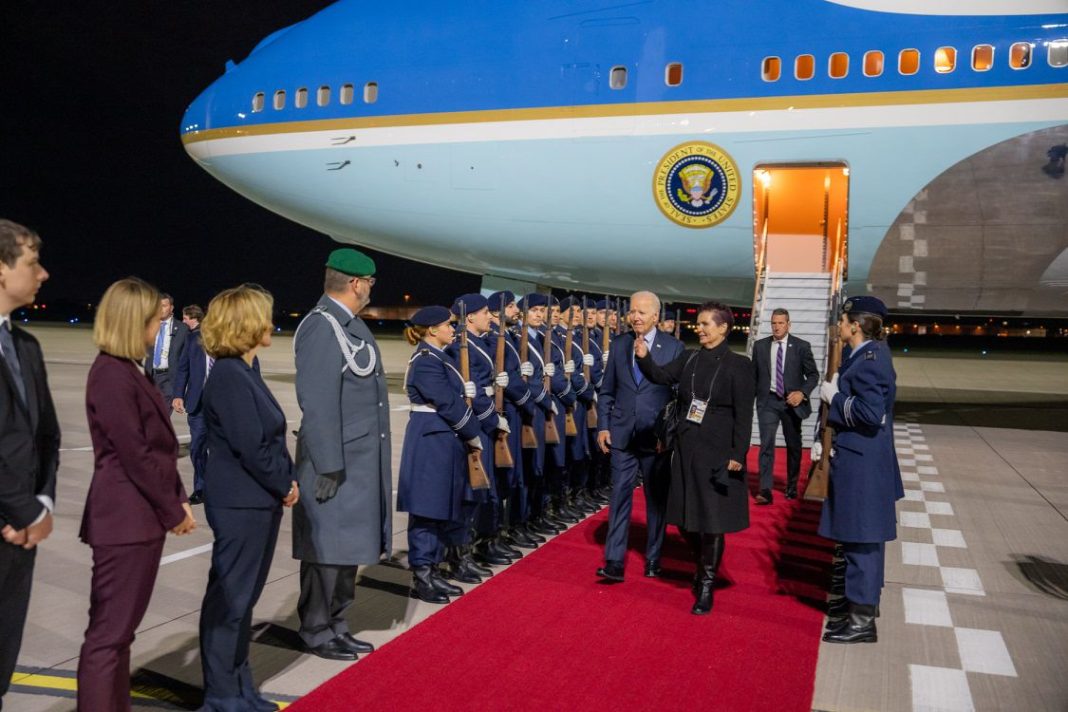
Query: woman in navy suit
x: 135, y: 496
x: 441, y: 431
x: 248, y: 479
x: 865, y: 480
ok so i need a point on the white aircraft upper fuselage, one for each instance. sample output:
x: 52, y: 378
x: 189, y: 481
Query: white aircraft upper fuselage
x: 534, y: 141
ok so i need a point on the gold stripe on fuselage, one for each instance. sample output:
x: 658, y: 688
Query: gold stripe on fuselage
x: 699, y: 106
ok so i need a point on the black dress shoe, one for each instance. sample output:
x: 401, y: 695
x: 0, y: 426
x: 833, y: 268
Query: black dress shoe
x: 534, y: 536
x: 462, y: 571
x: 542, y: 528
x: 652, y: 569
x: 764, y: 497
x: 333, y: 650
x: 197, y: 497
x: 791, y: 493
x: 612, y: 570
x: 354, y: 644
x: 520, y: 539
x: 502, y: 547
x: 485, y: 555
x: 859, y: 626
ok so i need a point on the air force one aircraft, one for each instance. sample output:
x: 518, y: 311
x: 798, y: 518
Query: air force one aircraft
x: 677, y: 145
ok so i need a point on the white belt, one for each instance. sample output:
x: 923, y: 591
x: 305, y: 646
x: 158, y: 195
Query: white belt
x: 422, y: 408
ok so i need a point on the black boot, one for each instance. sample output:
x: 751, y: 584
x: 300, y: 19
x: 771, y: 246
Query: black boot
x: 489, y: 556
x: 859, y: 627
x: 694, y: 540
x: 518, y: 538
x: 502, y: 547
x: 461, y: 567
x: 423, y: 587
x: 841, y: 607
x: 711, y: 556
x: 442, y: 586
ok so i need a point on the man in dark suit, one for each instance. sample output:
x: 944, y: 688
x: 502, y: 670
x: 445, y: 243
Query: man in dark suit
x: 785, y: 374
x: 29, y: 440
x: 189, y: 376
x: 627, y: 411
x: 163, y: 359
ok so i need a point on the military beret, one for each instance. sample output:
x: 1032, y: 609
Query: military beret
x: 600, y: 304
x: 865, y: 305
x: 535, y: 300
x: 431, y: 316
x: 495, y: 299
x: 670, y: 314
x: 351, y: 262
x: 568, y: 302
x: 553, y: 301
x: 471, y: 303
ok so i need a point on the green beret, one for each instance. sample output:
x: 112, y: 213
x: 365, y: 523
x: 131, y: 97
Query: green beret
x: 351, y: 262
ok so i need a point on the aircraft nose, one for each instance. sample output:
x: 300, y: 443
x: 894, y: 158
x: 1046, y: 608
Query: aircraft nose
x: 195, y: 121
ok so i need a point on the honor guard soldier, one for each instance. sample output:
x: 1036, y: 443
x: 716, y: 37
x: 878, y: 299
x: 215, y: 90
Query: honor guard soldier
x: 864, y: 480
x: 343, y: 455
x: 442, y: 430
x: 564, y: 397
x: 543, y: 458
x: 482, y: 508
x: 578, y: 446
x: 519, y: 408
x: 600, y: 479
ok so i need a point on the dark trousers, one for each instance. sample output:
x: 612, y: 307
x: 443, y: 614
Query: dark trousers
x: 865, y: 567
x: 198, y: 452
x: 426, y: 540
x: 626, y: 464
x: 16, y: 578
x: 769, y: 415
x: 240, y: 560
x: 164, y: 381
x: 459, y: 533
x: 326, y: 592
x: 123, y: 577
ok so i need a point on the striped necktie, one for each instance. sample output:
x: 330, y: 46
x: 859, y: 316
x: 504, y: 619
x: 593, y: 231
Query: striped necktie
x: 779, y: 389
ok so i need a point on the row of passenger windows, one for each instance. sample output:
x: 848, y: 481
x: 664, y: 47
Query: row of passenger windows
x: 908, y: 61
x: 322, y: 96
x: 873, y: 64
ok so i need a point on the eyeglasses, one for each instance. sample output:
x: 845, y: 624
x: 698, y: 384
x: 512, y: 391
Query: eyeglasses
x: 370, y: 280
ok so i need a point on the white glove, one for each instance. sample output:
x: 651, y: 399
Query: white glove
x: 604, y: 358
x: 476, y: 443
x: 556, y: 411
x: 502, y: 379
x: 587, y: 360
x: 469, y: 389
x: 569, y: 367
x: 829, y: 389
x: 817, y: 451
x: 550, y: 369
x: 526, y: 369
x: 488, y: 390
x: 502, y: 424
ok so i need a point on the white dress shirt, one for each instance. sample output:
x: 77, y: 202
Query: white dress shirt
x: 778, y: 344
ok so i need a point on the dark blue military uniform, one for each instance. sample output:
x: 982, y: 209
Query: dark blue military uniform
x: 865, y: 480
x: 433, y: 469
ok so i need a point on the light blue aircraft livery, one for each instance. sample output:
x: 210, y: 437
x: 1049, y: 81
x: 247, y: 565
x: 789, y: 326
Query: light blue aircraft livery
x: 668, y: 144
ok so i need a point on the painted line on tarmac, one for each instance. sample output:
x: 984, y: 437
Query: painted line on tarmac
x: 178, y: 556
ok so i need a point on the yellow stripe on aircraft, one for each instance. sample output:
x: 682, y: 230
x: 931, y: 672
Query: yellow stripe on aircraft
x: 699, y: 106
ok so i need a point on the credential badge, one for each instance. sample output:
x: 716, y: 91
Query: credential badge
x: 696, y: 184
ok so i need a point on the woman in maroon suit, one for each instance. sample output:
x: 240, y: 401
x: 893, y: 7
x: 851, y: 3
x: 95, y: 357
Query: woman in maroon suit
x: 135, y: 496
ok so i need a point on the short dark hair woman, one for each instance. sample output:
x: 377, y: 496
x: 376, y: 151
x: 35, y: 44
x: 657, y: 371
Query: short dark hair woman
x: 708, y: 495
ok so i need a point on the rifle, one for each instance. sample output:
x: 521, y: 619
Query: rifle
x: 591, y: 416
x: 476, y: 474
x: 678, y: 323
x: 619, y: 316
x: 502, y: 454
x: 570, y: 429
x: 606, y: 335
x: 819, y: 475
x: 527, y: 436
x: 552, y: 435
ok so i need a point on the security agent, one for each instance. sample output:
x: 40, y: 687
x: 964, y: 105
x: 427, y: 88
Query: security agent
x: 864, y: 481
x: 167, y: 351
x: 785, y: 373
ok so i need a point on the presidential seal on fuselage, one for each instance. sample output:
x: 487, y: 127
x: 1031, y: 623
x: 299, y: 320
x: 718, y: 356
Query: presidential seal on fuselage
x: 696, y: 184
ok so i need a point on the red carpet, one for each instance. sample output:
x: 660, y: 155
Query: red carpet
x: 546, y: 635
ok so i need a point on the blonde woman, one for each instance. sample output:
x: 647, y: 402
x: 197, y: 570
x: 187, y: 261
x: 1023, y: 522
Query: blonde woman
x: 135, y: 496
x: 248, y: 478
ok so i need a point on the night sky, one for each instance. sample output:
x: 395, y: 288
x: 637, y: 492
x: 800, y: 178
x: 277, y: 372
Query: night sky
x: 92, y: 96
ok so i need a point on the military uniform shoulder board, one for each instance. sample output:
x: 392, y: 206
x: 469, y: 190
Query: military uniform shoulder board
x: 869, y: 355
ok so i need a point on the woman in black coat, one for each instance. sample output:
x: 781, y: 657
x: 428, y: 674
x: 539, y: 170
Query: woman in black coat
x: 708, y: 495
